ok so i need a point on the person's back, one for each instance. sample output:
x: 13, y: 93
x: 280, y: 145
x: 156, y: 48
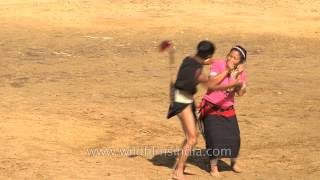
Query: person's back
x: 187, y: 80
x: 187, y: 77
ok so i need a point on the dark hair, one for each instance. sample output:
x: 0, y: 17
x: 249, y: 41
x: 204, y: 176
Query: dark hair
x: 205, y: 49
x: 242, y: 52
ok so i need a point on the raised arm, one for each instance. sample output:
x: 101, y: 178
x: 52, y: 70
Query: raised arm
x: 213, y: 82
x: 215, y: 79
x: 242, y: 90
x: 219, y: 87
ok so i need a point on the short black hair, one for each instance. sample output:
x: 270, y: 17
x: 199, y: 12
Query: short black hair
x: 242, y: 52
x: 205, y: 49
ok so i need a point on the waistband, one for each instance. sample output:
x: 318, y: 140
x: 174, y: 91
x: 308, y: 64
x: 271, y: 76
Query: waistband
x: 208, y: 108
x: 182, y: 96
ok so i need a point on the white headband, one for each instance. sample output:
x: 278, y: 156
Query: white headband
x: 244, y: 55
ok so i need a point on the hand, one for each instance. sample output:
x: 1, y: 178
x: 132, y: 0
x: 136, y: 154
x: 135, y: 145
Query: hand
x: 238, y: 82
x: 235, y: 85
x: 241, y: 68
x: 208, y: 61
x: 241, y: 91
x: 230, y: 66
x: 234, y: 74
x: 244, y: 86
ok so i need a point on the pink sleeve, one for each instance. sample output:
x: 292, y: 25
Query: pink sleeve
x: 243, y: 76
x: 215, y: 68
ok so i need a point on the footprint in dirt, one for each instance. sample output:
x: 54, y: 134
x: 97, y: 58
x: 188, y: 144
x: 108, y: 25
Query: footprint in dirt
x: 33, y: 53
x: 19, y: 82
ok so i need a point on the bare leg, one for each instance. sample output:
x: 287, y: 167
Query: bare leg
x: 214, y: 167
x: 189, y: 126
x: 179, y: 154
x: 234, y: 165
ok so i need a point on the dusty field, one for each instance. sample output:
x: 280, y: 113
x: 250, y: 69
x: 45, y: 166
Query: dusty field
x: 88, y: 75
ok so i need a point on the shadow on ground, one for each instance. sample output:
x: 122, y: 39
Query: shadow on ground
x: 197, y: 158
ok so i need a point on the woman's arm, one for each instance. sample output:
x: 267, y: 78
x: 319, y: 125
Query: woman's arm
x: 216, y: 80
x: 213, y: 82
x: 234, y: 84
x: 242, y: 90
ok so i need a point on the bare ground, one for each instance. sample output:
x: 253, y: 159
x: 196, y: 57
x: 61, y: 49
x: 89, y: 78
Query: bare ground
x: 87, y: 74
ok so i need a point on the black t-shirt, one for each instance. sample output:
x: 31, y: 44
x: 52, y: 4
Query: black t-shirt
x: 186, y: 78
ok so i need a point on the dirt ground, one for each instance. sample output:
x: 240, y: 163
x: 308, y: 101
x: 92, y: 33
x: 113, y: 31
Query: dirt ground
x: 79, y: 79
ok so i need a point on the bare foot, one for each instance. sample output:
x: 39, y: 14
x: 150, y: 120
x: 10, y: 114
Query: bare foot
x: 214, y: 171
x: 236, y: 168
x: 178, y: 175
x: 176, y: 164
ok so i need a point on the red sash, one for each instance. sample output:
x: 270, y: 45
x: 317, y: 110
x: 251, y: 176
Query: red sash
x: 207, y: 108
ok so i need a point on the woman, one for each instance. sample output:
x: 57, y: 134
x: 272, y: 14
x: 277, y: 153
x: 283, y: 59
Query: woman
x: 221, y: 128
x: 189, y: 76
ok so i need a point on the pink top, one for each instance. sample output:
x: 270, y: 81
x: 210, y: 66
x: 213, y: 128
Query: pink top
x: 222, y: 98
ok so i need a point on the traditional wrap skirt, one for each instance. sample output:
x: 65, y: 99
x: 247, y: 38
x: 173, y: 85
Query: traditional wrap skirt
x: 221, y: 130
x: 179, y: 102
